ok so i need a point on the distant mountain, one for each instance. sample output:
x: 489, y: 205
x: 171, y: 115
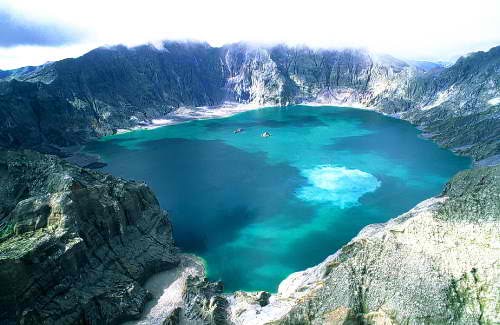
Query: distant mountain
x: 426, y: 65
x: 71, y: 101
x: 21, y: 74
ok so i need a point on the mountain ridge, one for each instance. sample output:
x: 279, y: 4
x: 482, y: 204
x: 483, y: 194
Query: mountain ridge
x: 114, y: 88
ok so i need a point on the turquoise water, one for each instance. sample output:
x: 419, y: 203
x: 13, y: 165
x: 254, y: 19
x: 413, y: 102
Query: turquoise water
x: 257, y: 209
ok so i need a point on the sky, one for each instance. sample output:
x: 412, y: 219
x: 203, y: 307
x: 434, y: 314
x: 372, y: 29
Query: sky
x: 33, y: 32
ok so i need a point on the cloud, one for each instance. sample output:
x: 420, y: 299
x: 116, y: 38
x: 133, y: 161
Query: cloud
x: 15, y: 32
x: 424, y: 29
x: 24, y: 55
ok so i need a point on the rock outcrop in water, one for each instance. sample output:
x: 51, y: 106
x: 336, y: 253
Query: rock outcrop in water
x: 71, y: 101
x: 75, y: 245
x: 436, y: 264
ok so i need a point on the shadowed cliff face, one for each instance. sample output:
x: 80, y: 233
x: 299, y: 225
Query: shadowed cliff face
x: 71, y: 101
x: 75, y: 245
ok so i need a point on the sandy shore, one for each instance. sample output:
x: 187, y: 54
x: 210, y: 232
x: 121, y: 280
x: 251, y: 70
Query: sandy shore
x: 180, y: 115
x: 167, y: 288
x: 185, y: 114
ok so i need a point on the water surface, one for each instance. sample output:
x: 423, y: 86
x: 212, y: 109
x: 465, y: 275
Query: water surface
x: 257, y: 209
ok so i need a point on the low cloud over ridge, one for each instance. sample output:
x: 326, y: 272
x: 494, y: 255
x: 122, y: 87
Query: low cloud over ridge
x: 422, y: 30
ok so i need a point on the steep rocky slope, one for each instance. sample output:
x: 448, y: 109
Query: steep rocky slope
x: 436, y: 264
x: 75, y: 245
x: 23, y: 73
x: 71, y: 101
x: 460, y: 106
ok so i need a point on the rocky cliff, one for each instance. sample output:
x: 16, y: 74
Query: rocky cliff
x: 436, y: 264
x: 75, y: 245
x: 71, y: 101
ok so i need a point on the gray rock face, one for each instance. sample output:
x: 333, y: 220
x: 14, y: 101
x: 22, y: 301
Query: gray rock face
x: 75, y: 245
x: 204, y: 302
x: 71, y: 101
x: 174, y: 318
x: 436, y: 264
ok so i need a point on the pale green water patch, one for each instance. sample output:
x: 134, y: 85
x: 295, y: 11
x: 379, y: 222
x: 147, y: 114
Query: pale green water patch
x: 337, y: 185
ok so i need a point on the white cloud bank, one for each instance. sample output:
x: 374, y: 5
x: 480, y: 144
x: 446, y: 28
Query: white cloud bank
x: 425, y: 29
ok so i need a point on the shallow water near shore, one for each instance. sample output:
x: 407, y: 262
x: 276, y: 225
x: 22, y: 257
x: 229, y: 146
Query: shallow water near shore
x: 259, y: 208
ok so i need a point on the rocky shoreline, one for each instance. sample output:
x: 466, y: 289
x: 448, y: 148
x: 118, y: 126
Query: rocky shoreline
x: 435, y: 264
x: 168, y: 288
x: 447, y: 248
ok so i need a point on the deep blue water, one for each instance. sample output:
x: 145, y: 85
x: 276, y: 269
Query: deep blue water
x: 257, y: 209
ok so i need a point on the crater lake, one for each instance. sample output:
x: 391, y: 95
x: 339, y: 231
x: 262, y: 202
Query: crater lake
x: 258, y: 208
